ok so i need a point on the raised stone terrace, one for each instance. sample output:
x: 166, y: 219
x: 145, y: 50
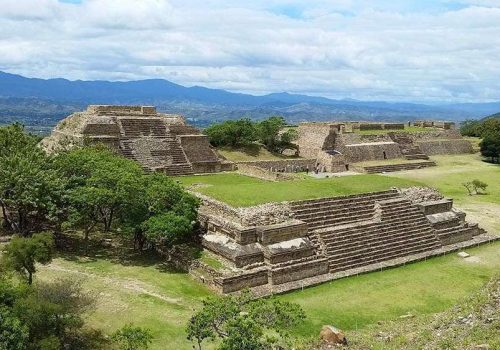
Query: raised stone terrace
x: 157, y: 141
x: 289, y: 245
x: 338, y: 146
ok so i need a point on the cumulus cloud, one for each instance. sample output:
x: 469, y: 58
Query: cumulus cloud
x: 418, y: 50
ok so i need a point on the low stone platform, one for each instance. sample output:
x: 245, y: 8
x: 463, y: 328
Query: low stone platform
x: 283, y: 246
x: 387, y: 168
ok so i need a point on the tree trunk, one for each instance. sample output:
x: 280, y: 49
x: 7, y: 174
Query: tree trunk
x: 30, y: 278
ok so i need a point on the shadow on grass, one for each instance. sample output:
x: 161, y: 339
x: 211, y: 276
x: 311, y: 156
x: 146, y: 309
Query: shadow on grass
x: 109, y: 247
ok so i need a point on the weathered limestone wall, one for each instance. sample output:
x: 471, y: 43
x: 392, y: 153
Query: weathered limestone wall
x: 334, y: 163
x: 112, y: 109
x: 242, y: 281
x: 299, y: 271
x: 199, y: 153
x: 281, y: 232
x: 314, y: 137
x: 454, y: 146
x: 372, y: 151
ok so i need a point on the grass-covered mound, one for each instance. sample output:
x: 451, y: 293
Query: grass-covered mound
x: 239, y: 190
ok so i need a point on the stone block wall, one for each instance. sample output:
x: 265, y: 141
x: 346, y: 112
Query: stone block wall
x: 452, y: 146
x: 314, y: 137
x: 242, y: 281
x: 281, y: 232
x: 299, y: 272
x: 372, y: 151
x: 433, y: 207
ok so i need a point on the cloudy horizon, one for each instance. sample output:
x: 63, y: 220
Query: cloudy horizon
x: 420, y: 51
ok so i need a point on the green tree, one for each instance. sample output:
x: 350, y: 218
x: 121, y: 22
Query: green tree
x: 241, y: 322
x: 101, y: 186
x: 22, y: 254
x: 13, y: 333
x: 166, y: 214
x: 470, y: 128
x: 268, y: 131
x: 490, y: 146
x: 234, y: 133
x: 479, y: 186
x: 32, y: 194
x: 130, y: 337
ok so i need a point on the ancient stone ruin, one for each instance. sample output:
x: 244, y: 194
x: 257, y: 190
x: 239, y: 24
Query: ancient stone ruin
x: 284, y: 246
x: 336, y: 146
x: 159, y: 142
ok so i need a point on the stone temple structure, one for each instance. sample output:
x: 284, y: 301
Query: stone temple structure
x: 336, y: 146
x: 278, y: 247
x: 159, y: 142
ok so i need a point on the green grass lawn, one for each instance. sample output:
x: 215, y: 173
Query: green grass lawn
x: 240, y: 190
x: 420, y: 288
x: 253, y: 152
x: 448, y: 176
x: 147, y: 292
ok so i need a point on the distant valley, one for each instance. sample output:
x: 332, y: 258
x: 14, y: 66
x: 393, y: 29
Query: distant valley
x: 40, y: 103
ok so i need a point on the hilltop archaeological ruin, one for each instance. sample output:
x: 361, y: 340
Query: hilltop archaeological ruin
x: 159, y: 142
x: 276, y: 247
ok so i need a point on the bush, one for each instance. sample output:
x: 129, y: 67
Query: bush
x: 132, y: 338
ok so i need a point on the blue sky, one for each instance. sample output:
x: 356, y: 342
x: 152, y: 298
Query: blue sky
x: 442, y: 50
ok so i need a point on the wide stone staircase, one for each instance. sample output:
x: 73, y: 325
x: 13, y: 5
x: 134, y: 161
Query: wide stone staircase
x: 327, y: 212
x: 164, y: 153
x: 407, y: 147
x: 386, y: 168
x: 362, y: 230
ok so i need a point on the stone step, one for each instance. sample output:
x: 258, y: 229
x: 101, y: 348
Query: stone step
x: 377, y: 258
x: 380, y: 238
x: 345, y: 199
x: 373, y: 235
x: 397, y: 167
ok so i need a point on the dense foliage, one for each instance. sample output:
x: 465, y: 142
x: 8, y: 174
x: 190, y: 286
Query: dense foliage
x: 489, y: 130
x: 241, y: 322
x: 32, y: 194
x: 87, y: 189
x: 234, y: 133
x: 45, y: 316
x: 239, y: 133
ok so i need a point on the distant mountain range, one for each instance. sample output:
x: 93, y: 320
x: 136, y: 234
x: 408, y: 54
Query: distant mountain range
x: 43, y: 102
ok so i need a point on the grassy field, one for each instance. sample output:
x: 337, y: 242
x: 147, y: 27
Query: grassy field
x: 240, y: 190
x: 148, y: 292
x: 250, y: 153
x: 448, y: 176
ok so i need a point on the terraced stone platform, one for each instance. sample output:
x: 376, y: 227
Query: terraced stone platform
x: 157, y: 141
x: 316, y: 240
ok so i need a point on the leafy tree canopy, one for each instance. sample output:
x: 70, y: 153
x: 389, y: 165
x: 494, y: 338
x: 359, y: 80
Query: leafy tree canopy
x: 234, y: 133
x: 22, y: 254
x: 241, y: 322
x: 32, y: 194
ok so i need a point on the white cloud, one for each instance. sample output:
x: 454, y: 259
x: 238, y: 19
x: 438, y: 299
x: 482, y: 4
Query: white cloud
x: 413, y: 50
